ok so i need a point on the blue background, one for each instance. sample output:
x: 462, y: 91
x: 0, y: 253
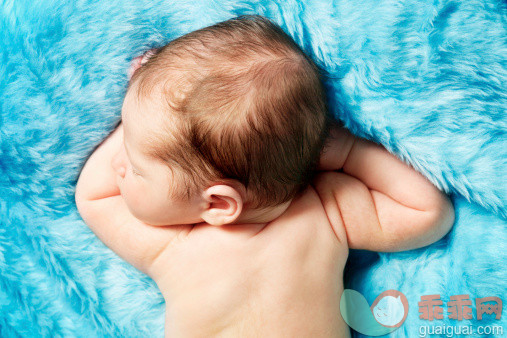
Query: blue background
x: 426, y: 79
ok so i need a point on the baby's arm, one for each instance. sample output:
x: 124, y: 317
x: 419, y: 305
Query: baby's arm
x: 103, y: 209
x: 384, y: 204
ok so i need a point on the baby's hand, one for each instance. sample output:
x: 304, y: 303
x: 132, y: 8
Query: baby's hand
x: 137, y: 62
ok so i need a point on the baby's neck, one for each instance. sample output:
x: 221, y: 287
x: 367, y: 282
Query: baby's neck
x: 264, y: 215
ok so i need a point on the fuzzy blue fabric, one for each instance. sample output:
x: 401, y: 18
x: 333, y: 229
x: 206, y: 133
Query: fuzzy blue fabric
x: 425, y: 79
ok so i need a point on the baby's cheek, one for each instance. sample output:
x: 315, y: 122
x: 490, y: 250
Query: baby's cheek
x: 134, y: 197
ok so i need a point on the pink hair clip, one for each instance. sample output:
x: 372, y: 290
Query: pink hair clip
x: 139, y: 61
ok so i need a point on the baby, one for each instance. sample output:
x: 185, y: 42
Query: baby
x: 230, y: 186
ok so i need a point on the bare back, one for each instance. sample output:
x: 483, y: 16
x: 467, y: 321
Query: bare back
x: 306, y: 244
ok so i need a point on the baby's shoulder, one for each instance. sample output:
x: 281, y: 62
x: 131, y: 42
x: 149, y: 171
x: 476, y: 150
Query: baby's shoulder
x: 305, y: 206
x: 306, y: 214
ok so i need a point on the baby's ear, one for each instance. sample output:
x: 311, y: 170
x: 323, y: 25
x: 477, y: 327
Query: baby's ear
x: 225, y: 204
x: 137, y: 62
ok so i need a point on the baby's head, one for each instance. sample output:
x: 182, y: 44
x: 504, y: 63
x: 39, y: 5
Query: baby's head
x: 233, y: 115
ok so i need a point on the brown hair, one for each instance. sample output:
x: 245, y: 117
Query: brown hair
x: 246, y: 104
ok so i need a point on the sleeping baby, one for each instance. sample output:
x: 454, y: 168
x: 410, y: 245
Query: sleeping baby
x: 228, y: 183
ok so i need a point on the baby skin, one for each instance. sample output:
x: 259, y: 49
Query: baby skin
x: 227, y: 271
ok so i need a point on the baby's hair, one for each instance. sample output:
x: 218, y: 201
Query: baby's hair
x: 243, y: 102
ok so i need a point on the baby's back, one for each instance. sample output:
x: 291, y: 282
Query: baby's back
x: 301, y: 245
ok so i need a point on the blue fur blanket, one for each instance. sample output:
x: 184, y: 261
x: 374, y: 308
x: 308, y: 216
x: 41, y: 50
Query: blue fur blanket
x: 427, y: 80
